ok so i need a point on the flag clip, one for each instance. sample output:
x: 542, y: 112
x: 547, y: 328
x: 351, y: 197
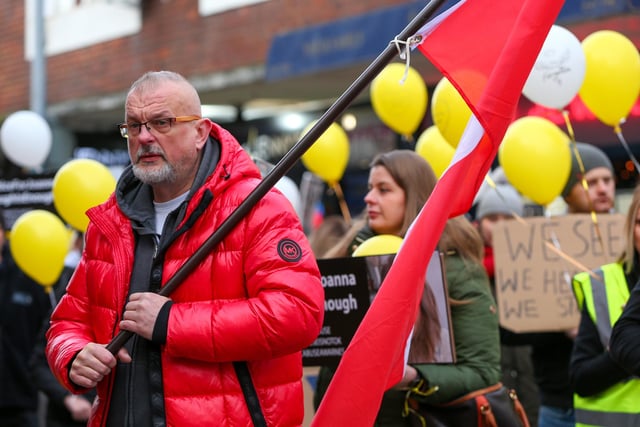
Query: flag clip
x: 404, y: 51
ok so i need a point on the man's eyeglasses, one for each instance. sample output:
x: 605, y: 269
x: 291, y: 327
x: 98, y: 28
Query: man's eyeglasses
x: 162, y: 125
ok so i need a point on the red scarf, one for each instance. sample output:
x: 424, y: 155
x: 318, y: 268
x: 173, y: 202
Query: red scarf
x: 488, y: 261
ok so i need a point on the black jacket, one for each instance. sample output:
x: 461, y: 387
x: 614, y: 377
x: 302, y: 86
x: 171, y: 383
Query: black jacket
x: 592, y: 370
x: 550, y: 355
x: 57, y: 414
x: 24, y: 305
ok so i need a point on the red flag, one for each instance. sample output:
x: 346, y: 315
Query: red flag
x: 486, y: 48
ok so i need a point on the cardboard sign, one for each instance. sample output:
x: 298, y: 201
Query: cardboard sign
x: 350, y: 284
x: 536, y: 261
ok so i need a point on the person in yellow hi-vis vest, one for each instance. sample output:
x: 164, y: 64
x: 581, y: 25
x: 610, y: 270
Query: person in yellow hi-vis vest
x: 605, y: 393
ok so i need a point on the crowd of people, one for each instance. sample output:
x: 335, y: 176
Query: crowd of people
x: 225, y: 347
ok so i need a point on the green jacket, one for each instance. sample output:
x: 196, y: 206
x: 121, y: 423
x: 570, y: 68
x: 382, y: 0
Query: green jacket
x: 476, y: 338
x: 475, y: 331
x: 477, y: 344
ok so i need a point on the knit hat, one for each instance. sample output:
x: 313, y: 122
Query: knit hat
x: 592, y: 157
x: 498, y: 176
x: 503, y: 199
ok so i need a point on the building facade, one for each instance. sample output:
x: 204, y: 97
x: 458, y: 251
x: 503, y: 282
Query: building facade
x: 252, y: 61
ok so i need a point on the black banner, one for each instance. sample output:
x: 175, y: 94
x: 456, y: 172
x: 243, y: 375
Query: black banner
x: 350, y: 284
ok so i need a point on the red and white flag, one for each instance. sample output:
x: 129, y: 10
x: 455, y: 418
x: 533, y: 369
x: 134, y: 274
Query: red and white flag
x: 486, y: 48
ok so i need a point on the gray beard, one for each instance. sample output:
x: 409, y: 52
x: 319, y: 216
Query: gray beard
x: 158, y: 176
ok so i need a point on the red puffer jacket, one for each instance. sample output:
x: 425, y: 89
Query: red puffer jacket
x: 257, y: 297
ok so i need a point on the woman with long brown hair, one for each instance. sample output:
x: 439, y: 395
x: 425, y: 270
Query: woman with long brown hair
x: 400, y: 182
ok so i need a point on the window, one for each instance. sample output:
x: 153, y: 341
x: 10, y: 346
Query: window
x: 74, y: 24
x: 210, y: 7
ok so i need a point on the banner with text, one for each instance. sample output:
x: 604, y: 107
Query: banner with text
x: 350, y: 284
x: 536, y: 260
x: 20, y: 195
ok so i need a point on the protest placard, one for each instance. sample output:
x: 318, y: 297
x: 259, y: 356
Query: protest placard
x: 535, y: 260
x: 350, y: 284
x: 22, y: 194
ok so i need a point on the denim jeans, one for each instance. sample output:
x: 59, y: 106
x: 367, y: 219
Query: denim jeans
x: 551, y: 416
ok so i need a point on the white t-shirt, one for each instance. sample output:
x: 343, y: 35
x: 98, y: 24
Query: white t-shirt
x: 164, y: 208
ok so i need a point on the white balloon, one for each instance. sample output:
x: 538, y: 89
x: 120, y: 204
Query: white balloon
x: 558, y: 72
x: 288, y: 187
x: 26, y: 137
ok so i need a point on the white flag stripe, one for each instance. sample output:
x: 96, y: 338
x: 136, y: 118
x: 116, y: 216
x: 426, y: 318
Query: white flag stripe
x: 432, y: 24
x: 472, y: 135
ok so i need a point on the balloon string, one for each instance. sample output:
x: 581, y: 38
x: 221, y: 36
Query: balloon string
x: 567, y: 122
x: 576, y: 153
x: 618, y: 132
x: 343, y: 204
x: 585, y: 187
x: 52, y: 296
x: 554, y: 245
x: 583, y: 181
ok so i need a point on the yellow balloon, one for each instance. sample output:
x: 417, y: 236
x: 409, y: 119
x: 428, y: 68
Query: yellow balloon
x: 612, y: 78
x: 39, y: 243
x: 78, y: 185
x: 379, y: 245
x: 449, y: 111
x: 399, y: 105
x: 536, y: 158
x: 432, y: 147
x: 329, y: 155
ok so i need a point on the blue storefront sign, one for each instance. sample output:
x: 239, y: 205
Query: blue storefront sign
x: 584, y: 10
x: 337, y: 44
x: 361, y: 38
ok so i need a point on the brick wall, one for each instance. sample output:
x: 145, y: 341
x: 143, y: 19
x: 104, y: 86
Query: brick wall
x: 173, y: 36
x: 14, y: 70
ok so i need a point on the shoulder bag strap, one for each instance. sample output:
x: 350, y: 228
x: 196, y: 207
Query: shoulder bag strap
x: 485, y: 412
x: 473, y: 395
x: 250, y: 395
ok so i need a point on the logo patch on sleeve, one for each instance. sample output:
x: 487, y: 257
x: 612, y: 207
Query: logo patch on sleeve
x: 289, y: 250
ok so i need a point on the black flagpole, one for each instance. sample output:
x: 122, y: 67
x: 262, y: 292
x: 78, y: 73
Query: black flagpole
x: 289, y: 159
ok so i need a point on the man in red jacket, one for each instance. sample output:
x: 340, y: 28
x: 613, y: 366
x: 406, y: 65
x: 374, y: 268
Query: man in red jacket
x: 256, y: 298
